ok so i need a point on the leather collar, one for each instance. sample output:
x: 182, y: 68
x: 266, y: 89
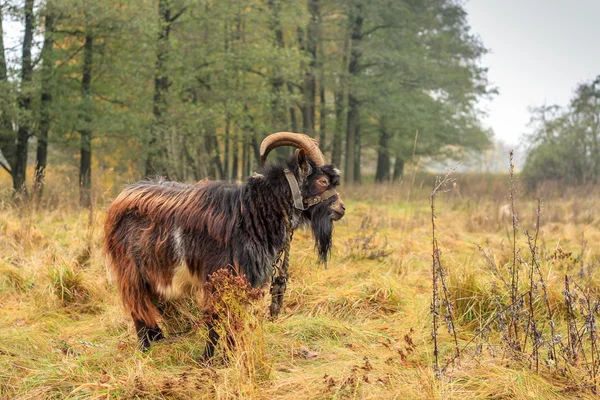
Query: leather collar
x: 299, y: 202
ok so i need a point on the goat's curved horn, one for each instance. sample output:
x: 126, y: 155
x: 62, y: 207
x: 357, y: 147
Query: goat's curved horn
x: 298, y: 140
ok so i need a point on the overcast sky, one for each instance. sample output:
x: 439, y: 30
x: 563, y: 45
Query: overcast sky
x: 540, y: 51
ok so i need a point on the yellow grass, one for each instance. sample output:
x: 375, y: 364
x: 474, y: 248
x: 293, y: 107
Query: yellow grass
x: 359, y: 329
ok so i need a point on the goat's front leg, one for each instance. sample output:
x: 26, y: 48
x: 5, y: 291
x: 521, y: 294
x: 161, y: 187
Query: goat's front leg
x: 213, y: 337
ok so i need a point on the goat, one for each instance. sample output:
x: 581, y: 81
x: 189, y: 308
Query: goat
x: 161, y: 237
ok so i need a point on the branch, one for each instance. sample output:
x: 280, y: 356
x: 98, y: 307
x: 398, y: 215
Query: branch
x: 177, y: 15
x: 119, y: 102
x: 203, y: 83
x: 69, y: 32
x: 70, y: 57
x: 253, y: 71
x: 4, y: 163
x: 376, y: 28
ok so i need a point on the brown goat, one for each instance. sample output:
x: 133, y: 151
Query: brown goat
x: 163, y: 236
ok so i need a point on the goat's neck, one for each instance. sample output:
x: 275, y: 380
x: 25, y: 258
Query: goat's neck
x: 273, y: 193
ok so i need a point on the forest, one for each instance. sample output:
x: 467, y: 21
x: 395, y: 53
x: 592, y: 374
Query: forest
x: 188, y: 89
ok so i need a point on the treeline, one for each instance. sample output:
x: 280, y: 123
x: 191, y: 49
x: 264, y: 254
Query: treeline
x: 565, y: 142
x: 188, y: 88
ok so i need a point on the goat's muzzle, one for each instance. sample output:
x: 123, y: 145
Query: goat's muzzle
x: 338, y: 208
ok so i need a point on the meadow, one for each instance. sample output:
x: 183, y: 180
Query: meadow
x: 521, y: 310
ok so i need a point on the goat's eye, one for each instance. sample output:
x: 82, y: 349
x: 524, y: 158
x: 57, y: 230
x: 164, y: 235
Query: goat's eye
x: 323, y: 182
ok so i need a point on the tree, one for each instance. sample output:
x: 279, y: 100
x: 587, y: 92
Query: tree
x: 45, y: 102
x: 187, y: 88
x: 161, y: 88
x: 7, y: 136
x: 25, y: 94
x: 564, y: 143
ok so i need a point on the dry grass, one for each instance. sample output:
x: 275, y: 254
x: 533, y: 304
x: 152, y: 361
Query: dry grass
x: 359, y: 329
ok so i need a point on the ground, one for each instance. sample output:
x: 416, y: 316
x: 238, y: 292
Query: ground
x: 359, y: 328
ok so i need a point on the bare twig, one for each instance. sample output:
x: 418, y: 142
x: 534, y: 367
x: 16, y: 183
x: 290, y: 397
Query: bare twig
x: 514, y: 273
x: 437, y: 275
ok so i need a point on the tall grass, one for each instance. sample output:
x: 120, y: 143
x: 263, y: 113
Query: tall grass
x: 360, y: 329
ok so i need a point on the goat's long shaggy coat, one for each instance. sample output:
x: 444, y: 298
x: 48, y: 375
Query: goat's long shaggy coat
x: 161, y: 236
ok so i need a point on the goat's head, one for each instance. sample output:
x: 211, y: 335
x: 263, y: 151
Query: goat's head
x: 314, y: 195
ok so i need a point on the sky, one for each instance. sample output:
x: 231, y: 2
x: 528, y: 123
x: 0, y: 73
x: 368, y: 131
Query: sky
x: 539, y: 51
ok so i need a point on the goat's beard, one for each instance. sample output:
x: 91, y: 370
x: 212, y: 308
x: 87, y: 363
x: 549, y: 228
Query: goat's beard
x: 322, y: 229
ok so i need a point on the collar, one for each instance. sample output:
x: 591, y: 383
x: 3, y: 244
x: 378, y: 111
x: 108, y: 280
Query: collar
x: 299, y: 202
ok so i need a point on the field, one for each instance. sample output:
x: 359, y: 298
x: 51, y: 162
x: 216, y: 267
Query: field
x: 360, y: 328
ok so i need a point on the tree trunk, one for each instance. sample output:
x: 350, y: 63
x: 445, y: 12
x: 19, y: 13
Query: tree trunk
x: 212, y: 149
x: 336, y: 145
x: 235, y: 158
x: 353, y: 125
x: 292, y: 111
x: 245, y: 158
x: 7, y: 135
x: 382, y: 173
x: 85, y: 129
x: 322, y: 98
x: 24, y: 132
x: 357, y: 154
x: 227, y: 140
x: 46, y: 100
x: 398, y: 168
x: 156, y: 162
x: 278, y: 113
x: 340, y: 97
x: 309, y: 85
x: 256, y: 149
x: 322, y: 118
x: 351, y: 134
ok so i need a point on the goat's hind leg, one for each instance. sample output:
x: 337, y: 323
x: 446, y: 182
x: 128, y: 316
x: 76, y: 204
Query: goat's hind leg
x: 147, y: 333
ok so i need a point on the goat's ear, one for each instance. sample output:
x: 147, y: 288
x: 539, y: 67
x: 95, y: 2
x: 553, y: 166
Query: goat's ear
x: 303, y: 164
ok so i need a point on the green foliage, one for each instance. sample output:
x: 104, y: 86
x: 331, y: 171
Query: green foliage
x: 565, y: 141
x: 238, y: 70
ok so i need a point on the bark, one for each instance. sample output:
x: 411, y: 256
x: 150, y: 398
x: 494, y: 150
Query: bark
x: 353, y: 125
x: 336, y: 145
x: 7, y: 135
x: 227, y: 139
x: 322, y: 97
x: 256, y: 149
x: 156, y: 161
x: 322, y: 118
x: 192, y: 163
x: 46, y: 101
x: 310, y: 85
x: 398, y: 168
x: 340, y: 100
x: 293, y: 117
x: 275, y: 26
x: 245, y: 158
x: 85, y: 130
x: 24, y: 132
x: 211, y: 145
x: 235, y: 159
x: 357, y: 154
x: 277, y: 107
x: 382, y: 173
